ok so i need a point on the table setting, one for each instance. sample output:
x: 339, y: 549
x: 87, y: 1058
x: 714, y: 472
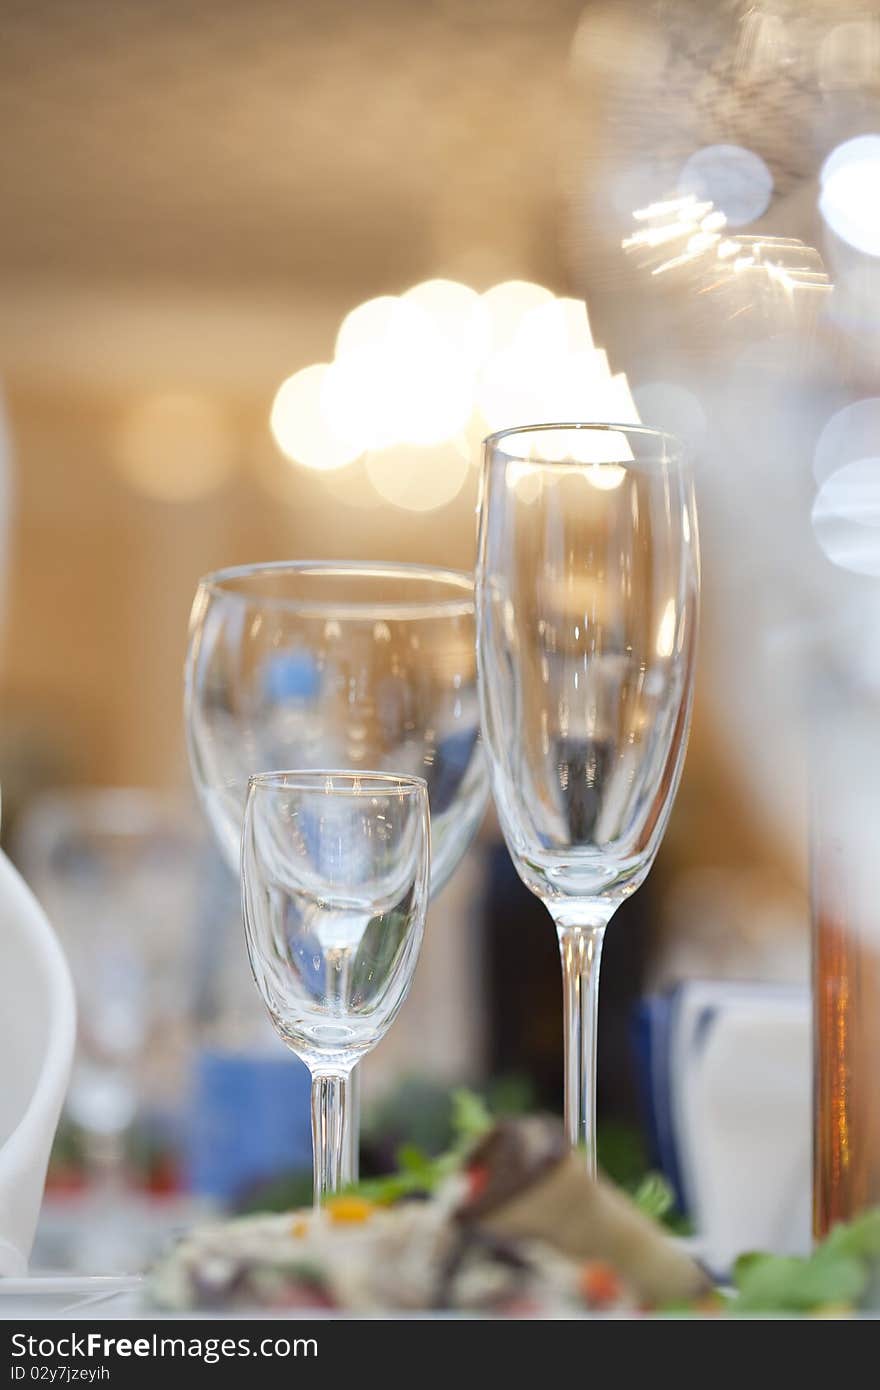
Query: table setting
x: 439, y: 548
x: 345, y: 724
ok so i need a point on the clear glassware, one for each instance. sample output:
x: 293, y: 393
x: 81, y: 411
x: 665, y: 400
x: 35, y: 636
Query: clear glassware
x: 312, y: 664
x: 119, y: 871
x: 334, y: 873
x: 587, y: 606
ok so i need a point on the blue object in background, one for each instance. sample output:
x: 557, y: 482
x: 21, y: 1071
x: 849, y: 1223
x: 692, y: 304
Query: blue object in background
x: 651, y: 1029
x: 249, y: 1121
x: 669, y: 1030
x: 292, y: 675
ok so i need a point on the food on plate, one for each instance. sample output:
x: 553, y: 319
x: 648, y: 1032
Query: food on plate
x: 516, y: 1228
x: 526, y: 1184
x: 506, y: 1224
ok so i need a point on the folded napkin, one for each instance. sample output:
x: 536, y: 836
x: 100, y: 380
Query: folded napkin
x: 37, y: 1031
x: 729, y: 1081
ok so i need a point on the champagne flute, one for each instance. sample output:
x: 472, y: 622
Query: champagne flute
x: 587, y: 590
x: 334, y: 879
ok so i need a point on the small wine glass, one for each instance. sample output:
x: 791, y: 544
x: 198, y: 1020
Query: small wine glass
x: 334, y: 871
x: 587, y: 594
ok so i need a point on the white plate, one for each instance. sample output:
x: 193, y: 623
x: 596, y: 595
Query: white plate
x: 45, y: 1294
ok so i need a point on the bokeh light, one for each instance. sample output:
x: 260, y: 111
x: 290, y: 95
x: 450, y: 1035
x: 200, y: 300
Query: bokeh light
x: 735, y: 180
x: 458, y: 314
x: 622, y: 409
x: 300, y: 423
x: 852, y: 433
x: 359, y: 398
x: 382, y: 322
x: 604, y: 476
x: 548, y: 374
x: 559, y: 327
x: 506, y: 305
x: 508, y: 392
x: 418, y: 380
x: 399, y: 374
x: 846, y: 517
x: 850, y: 197
x: 526, y: 480
x: 668, y: 406
x: 849, y: 55
x: 604, y: 452
x: 417, y: 479
x: 174, y: 447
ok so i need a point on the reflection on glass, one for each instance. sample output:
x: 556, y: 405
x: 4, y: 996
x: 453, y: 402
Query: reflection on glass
x: 314, y: 665
x: 334, y: 872
x: 337, y: 665
x: 587, y: 614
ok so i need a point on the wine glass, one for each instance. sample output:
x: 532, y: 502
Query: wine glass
x: 118, y: 871
x: 320, y: 664
x: 334, y: 879
x: 587, y: 603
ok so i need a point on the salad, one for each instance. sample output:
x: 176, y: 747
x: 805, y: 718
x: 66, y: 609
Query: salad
x: 505, y: 1223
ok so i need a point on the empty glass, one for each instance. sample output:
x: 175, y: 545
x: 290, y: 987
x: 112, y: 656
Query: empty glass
x: 312, y: 664
x: 119, y: 871
x: 587, y: 596
x: 326, y: 664
x: 334, y: 874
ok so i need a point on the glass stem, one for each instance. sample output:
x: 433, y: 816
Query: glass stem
x: 580, y: 946
x: 329, y: 1134
x: 106, y: 1162
x: 342, y: 960
x: 351, y: 1171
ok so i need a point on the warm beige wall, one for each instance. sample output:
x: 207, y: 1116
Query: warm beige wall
x: 197, y: 211
x: 102, y: 577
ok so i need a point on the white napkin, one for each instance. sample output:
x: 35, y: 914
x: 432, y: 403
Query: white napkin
x: 37, y: 1031
x: 740, y: 1082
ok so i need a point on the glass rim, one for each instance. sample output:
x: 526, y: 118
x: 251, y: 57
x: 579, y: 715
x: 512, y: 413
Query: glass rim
x: 492, y: 441
x: 221, y: 583
x: 315, y: 780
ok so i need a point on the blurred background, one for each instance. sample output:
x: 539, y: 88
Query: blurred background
x: 198, y: 198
